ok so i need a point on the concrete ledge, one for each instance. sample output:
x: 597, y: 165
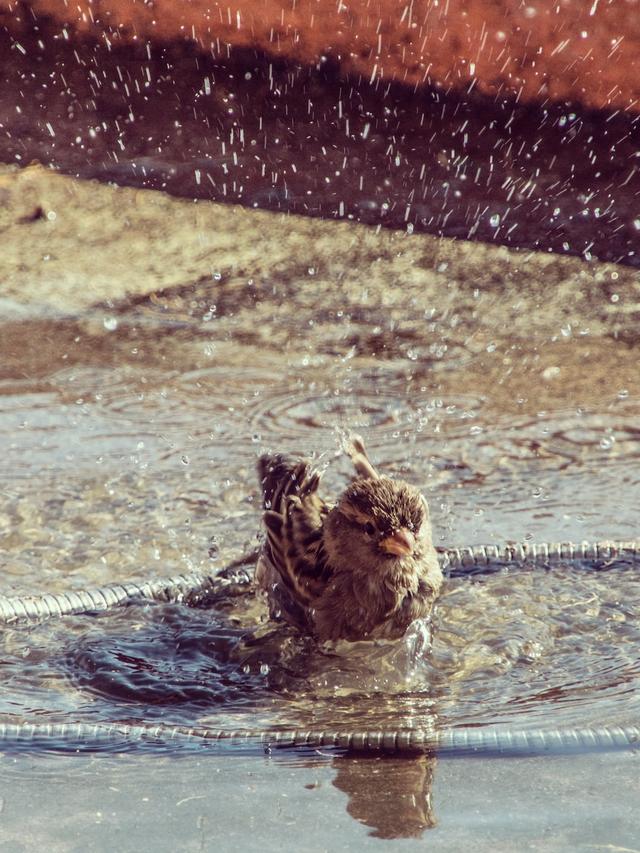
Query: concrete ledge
x: 579, y: 50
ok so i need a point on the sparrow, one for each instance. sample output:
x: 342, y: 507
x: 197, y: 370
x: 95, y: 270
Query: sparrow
x: 363, y: 568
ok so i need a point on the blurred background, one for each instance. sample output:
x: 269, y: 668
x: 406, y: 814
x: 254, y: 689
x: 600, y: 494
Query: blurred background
x: 506, y: 122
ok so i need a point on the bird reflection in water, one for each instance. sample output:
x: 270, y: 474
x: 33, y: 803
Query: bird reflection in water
x: 391, y: 794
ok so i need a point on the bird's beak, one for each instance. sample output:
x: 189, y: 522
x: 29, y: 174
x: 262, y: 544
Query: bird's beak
x: 400, y: 543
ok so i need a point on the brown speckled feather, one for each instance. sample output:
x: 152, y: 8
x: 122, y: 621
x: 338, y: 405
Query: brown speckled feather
x: 362, y: 569
x: 294, y: 519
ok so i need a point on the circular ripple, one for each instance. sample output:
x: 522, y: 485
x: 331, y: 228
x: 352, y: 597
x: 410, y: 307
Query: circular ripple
x: 553, y: 442
x: 532, y: 647
x: 166, y: 661
x: 520, y: 647
x: 146, y: 402
x: 385, y: 416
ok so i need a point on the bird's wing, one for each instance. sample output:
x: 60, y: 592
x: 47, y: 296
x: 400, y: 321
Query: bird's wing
x: 354, y: 447
x: 294, y: 520
x: 282, y: 603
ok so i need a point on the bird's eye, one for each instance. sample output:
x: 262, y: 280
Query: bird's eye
x: 369, y: 529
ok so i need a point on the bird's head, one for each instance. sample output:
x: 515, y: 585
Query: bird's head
x: 378, y: 523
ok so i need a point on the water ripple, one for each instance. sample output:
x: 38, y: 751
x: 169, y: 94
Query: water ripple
x: 523, y: 646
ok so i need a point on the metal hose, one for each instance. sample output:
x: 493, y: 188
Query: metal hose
x: 197, y: 589
x: 494, y: 740
x: 200, y: 588
x: 479, y: 558
x: 191, y: 589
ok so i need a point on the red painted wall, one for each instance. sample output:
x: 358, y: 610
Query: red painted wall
x: 584, y: 50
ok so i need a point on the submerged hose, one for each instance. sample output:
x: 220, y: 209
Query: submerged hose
x: 201, y: 589
x: 495, y: 740
x: 198, y: 589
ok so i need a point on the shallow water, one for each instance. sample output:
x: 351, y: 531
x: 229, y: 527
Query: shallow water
x: 129, y: 442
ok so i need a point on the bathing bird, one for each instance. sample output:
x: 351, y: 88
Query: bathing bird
x: 363, y: 568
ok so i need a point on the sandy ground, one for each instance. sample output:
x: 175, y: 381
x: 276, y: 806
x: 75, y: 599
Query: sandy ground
x: 90, y: 250
x: 69, y: 244
x: 522, y: 328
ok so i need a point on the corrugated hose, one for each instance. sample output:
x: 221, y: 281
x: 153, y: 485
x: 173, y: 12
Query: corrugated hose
x: 199, y: 589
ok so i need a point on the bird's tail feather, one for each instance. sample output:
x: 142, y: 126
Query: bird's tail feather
x: 354, y: 447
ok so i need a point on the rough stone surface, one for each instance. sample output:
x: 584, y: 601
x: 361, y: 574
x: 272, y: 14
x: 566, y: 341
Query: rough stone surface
x: 580, y: 50
x: 69, y: 245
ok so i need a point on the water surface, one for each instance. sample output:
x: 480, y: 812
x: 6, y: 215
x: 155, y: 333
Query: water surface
x: 129, y: 442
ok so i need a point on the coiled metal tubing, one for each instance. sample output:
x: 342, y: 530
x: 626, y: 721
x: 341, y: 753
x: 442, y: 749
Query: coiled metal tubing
x: 496, y: 740
x: 202, y: 588
x: 198, y: 589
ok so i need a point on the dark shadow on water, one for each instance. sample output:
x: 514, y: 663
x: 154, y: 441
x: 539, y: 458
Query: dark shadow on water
x: 166, y: 662
x: 155, y: 658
